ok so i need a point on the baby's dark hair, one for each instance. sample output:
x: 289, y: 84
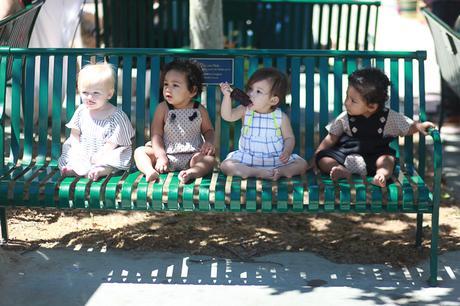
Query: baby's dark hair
x: 191, y: 69
x: 277, y: 79
x: 372, y: 84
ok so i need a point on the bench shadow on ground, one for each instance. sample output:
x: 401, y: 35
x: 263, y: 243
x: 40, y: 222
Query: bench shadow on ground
x: 103, y: 271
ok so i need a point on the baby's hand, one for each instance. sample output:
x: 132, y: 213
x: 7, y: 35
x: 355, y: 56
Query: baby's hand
x: 423, y: 127
x: 226, y: 89
x: 284, y: 157
x: 208, y: 149
x: 161, y: 165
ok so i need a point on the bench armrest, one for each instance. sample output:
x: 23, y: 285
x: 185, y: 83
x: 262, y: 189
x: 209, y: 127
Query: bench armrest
x: 437, y: 165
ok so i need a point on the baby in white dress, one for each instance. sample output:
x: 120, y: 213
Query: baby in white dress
x: 100, y: 137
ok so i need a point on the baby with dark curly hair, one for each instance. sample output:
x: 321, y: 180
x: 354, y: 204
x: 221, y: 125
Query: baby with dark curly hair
x: 359, y: 139
x: 182, y: 135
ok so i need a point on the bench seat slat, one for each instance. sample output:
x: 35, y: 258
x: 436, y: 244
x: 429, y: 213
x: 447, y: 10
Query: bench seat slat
x: 408, y: 193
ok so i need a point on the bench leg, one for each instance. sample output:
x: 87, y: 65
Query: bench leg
x: 434, y: 248
x: 419, y: 233
x: 3, y: 225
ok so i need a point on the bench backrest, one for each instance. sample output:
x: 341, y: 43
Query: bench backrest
x: 318, y: 81
x: 447, y: 47
x: 262, y: 24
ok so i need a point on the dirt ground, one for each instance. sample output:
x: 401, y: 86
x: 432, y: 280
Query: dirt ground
x: 342, y: 238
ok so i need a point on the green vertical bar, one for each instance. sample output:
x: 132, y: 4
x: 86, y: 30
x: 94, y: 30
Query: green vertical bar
x: 344, y: 196
x: 219, y: 204
x: 16, y: 108
x: 394, y: 77
x: 351, y: 65
x: 360, y: 205
x: 140, y: 101
x: 172, y: 202
x: 298, y: 190
x: 324, y: 96
x: 281, y: 64
x: 154, y: 85
x: 3, y: 224
x: 187, y: 197
x: 211, y: 103
x: 239, y: 83
x: 43, y: 109
x: 282, y: 196
x: 268, y: 61
x: 253, y: 65
x: 295, y: 105
x: 338, y: 78
x: 366, y: 62
x: 376, y: 198
x: 313, y: 192
x: 56, y: 108
x: 329, y: 193
x: 393, y: 195
x: 28, y: 108
x: 126, y: 90
x: 203, y: 195
x: 267, y: 205
x: 251, y: 195
x: 71, y: 88
x: 3, y: 66
x: 235, y: 194
x: 422, y: 111
x: 408, y: 108
x: 113, y: 60
x: 381, y: 63
x: 309, y: 106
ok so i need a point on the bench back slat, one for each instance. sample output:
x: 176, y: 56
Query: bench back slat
x: 318, y: 83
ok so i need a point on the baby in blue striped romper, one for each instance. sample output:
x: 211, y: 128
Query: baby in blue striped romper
x: 267, y: 141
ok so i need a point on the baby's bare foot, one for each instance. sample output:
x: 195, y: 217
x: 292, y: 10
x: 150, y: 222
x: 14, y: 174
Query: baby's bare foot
x: 186, y: 175
x: 276, y: 174
x: 95, y: 173
x: 266, y: 174
x: 68, y: 171
x: 151, y: 176
x: 339, y: 172
x: 379, y: 180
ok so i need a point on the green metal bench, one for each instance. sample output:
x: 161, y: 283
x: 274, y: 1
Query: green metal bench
x: 261, y: 24
x: 30, y: 177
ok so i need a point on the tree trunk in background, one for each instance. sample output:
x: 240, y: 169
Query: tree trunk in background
x: 206, y: 25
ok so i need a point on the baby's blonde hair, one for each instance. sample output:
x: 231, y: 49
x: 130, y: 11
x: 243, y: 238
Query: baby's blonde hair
x: 98, y: 73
